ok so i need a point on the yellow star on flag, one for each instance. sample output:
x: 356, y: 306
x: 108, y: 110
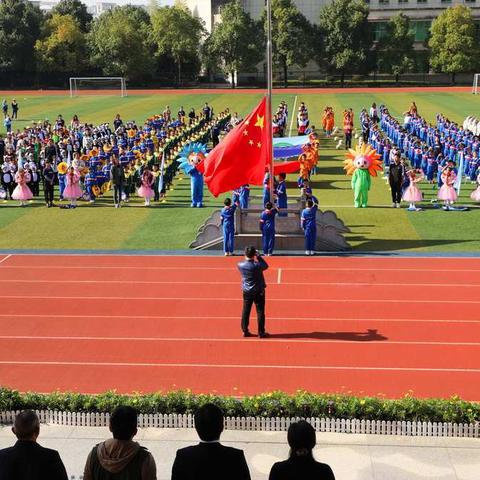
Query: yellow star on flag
x: 260, y: 121
x: 250, y: 142
x: 259, y: 145
x: 245, y: 132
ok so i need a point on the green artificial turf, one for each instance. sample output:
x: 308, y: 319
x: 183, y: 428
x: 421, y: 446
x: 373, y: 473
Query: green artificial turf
x: 173, y: 224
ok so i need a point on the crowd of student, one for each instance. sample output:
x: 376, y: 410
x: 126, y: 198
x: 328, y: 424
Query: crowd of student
x: 85, y: 160
x: 417, y: 150
x: 122, y: 458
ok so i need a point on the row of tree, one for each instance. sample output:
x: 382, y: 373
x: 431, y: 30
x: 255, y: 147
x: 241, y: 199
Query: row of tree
x: 169, y: 41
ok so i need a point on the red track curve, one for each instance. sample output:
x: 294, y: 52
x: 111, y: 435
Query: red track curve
x: 146, y: 323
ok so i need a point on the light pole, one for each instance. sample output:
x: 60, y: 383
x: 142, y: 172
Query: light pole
x: 269, y: 94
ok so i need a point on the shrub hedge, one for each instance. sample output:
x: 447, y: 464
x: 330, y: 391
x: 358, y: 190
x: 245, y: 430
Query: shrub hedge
x: 274, y: 404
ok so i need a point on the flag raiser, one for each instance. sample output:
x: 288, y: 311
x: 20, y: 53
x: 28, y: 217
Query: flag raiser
x: 242, y: 156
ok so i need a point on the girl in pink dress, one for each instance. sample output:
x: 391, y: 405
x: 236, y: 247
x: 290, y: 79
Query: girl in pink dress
x: 145, y: 189
x: 72, y: 190
x: 412, y: 193
x: 447, y: 193
x: 22, y: 192
x: 475, y: 195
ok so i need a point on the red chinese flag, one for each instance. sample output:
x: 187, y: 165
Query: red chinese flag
x: 242, y: 155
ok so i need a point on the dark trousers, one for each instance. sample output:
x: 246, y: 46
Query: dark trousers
x: 348, y: 140
x: 396, y: 192
x: 48, y: 191
x: 117, y: 193
x: 248, y: 300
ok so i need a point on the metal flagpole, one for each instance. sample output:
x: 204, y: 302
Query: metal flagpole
x: 269, y: 95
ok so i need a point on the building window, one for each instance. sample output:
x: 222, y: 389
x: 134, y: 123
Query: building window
x: 470, y: 1
x: 379, y: 30
x: 383, y: 2
x: 421, y: 30
x: 402, y: 1
x: 446, y: 1
x: 421, y: 1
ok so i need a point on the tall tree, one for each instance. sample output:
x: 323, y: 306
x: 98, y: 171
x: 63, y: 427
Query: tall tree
x: 62, y: 47
x: 119, y: 42
x: 19, y: 29
x: 177, y: 34
x: 453, y: 43
x: 293, y: 36
x: 234, y: 42
x: 77, y: 10
x: 346, y: 36
x: 395, y: 53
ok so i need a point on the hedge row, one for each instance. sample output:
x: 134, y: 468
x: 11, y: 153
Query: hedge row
x: 275, y: 404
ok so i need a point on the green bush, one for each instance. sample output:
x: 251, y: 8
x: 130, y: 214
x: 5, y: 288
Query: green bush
x: 274, y: 404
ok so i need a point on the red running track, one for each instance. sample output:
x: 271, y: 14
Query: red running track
x: 365, y: 325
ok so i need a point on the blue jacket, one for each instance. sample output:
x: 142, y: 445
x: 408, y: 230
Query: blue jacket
x: 252, y: 275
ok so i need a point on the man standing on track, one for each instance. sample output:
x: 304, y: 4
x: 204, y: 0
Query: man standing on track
x: 253, y: 286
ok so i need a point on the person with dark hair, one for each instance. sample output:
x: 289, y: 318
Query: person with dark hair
x: 120, y: 457
x: 301, y: 464
x: 210, y: 460
x: 308, y: 222
x: 117, y: 177
x: 27, y: 460
x: 227, y: 216
x: 253, y: 287
x: 267, y: 227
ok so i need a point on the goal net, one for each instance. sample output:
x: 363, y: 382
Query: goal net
x: 98, y: 85
x: 476, y: 84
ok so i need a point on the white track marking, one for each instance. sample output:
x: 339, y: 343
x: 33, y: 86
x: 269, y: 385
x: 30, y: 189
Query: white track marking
x: 245, y: 366
x: 230, y: 269
x: 294, y: 115
x: 279, y: 280
x: 360, y: 340
x: 233, y: 299
x: 210, y: 317
x: 5, y: 259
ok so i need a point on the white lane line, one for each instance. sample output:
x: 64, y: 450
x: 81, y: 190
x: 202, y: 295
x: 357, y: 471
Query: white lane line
x: 353, y: 269
x: 245, y: 366
x: 361, y: 340
x: 209, y: 317
x: 4, y: 259
x: 279, y: 280
x: 294, y: 115
x: 235, y: 299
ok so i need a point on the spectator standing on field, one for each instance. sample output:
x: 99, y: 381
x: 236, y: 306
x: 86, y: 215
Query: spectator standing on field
x: 7, y: 123
x: 395, y: 179
x: 27, y: 460
x: 14, y: 109
x: 120, y: 457
x: 5, y: 107
x: 209, y: 460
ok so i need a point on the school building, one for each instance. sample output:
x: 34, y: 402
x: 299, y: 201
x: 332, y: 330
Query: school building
x: 420, y: 12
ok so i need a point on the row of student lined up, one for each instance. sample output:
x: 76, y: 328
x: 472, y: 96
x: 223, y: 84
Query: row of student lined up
x: 120, y: 457
x: 80, y: 160
x: 391, y: 141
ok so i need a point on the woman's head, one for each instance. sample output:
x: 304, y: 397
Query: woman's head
x: 301, y: 438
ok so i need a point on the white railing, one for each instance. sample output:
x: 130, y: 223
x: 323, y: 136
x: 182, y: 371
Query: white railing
x: 276, y: 424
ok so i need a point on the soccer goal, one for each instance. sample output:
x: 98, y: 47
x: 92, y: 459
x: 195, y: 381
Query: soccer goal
x: 476, y: 86
x: 97, y: 86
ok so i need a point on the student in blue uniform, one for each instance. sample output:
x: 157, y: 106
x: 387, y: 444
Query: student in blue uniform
x: 309, y: 226
x: 267, y: 227
x: 281, y: 191
x: 266, y: 188
x: 244, y: 196
x: 228, y: 224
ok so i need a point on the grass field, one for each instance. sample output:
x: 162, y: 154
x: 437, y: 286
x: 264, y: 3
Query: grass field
x: 172, y: 225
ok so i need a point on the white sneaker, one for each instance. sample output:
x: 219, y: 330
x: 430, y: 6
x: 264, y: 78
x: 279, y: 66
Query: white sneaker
x: 116, y: 205
x: 307, y: 252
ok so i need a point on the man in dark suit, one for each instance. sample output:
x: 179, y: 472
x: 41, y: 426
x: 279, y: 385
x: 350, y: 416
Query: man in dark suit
x: 210, y: 460
x: 253, y: 286
x: 27, y: 460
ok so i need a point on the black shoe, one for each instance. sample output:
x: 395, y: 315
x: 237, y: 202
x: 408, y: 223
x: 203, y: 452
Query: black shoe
x: 263, y: 335
x: 247, y: 334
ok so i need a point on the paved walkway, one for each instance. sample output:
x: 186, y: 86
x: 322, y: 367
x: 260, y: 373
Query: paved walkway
x: 352, y: 457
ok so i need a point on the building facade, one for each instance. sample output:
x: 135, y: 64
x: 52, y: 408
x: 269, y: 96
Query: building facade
x: 421, y: 12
